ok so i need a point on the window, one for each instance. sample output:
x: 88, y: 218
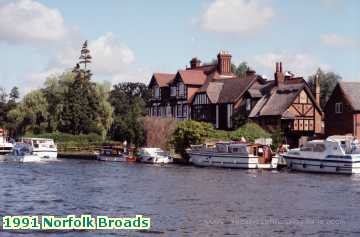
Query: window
x: 338, y: 108
x: 248, y: 104
x: 181, y: 89
x: 173, y: 91
x: 179, y: 110
x: 185, y: 112
x: 156, y: 92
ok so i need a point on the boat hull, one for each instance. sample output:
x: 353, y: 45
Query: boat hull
x: 155, y: 160
x: 326, y: 165
x: 22, y: 159
x: 111, y: 158
x: 46, y: 155
x: 228, y: 161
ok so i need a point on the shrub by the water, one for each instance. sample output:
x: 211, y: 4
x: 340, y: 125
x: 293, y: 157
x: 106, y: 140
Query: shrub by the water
x: 250, y: 131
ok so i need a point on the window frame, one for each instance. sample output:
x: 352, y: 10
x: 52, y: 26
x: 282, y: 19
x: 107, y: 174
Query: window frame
x: 339, y: 108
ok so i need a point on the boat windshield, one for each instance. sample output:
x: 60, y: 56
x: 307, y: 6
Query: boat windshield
x: 313, y: 147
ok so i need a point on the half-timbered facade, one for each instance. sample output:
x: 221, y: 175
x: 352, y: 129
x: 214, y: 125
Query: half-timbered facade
x: 290, y: 106
x: 211, y: 93
x: 342, y: 111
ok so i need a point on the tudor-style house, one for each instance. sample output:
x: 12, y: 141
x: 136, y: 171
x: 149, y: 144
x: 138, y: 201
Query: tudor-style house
x: 212, y: 93
x: 342, y: 111
x: 172, y: 94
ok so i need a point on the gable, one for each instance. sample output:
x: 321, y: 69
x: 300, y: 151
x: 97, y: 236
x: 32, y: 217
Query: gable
x: 200, y: 99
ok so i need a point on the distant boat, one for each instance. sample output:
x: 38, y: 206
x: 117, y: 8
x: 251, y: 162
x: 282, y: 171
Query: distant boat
x: 233, y: 155
x: 22, y: 152
x: 5, y: 146
x: 113, y: 154
x: 336, y: 154
x: 154, y: 156
x: 43, y: 147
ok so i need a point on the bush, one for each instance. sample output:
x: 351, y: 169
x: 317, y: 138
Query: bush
x: 190, y: 132
x: 250, y: 131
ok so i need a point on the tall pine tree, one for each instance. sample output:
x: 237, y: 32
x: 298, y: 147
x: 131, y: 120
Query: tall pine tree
x: 81, y: 112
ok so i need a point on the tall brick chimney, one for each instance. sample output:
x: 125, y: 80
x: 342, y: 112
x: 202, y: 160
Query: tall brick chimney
x: 279, y: 75
x: 317, y: 89
x: 224, y: 62
x: 194, y: 63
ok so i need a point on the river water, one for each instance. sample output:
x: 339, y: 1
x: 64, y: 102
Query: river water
x: 183, y: 200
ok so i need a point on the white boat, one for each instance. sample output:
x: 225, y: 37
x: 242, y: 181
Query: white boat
x: 22, y: 152
x: 336, y: 154
x: 233, y: 155
x: 5, y: 146
x: 154, y: 155
x: 45, y: 148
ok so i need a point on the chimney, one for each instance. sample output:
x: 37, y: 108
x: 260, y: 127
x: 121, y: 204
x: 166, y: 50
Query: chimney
x: 279, y: 75
x: 194, y: 63
x: 224, y: 62
x: 317, y: 89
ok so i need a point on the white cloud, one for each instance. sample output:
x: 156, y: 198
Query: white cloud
x: 339, y: 41
x: 28, y: 21
x: 112, y: 61
x: 302, y: 64
x: 236, y: 16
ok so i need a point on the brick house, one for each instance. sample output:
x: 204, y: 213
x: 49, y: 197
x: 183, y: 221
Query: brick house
x: 213, y: 94
x: 342, y: 111
x: 172, y: 94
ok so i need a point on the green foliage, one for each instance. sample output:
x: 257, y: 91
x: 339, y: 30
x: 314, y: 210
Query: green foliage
x: 128, y: 101
x: 238, y: 119
x: 67, y: 141
x: 190, y: 132
x: 328, y: 81
x: 277, y: 137
x: 250, y: 131
x: 14, y: 94
x: 85, y: 107
x: 241, y: 69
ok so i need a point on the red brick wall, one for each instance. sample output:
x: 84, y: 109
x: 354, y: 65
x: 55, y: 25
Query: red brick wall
x: 338, y: 124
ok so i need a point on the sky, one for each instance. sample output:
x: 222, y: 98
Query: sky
x: 130, y: 40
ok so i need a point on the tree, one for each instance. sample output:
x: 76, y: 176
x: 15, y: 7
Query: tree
x: 14, y: 94
x: 82, y: 107
x: 129, y: 100
x: 242, y: 69
x: 328, y: 81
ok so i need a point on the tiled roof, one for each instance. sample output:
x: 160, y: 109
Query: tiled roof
x: 352, y: 93
x: 277, y: 101
x: 226, y: 90
x: 192, y: 77
x: 163, y: 79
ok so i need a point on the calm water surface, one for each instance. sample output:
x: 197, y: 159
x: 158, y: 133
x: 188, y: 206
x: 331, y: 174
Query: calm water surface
x: 184, y: 200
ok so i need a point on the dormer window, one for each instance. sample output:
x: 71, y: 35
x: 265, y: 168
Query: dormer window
x: 339, y: 108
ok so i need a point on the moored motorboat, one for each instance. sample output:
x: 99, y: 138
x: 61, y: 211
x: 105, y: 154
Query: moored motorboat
x: 233, y: 155
x: 336, y: 154
x: 112, y: 154
x: 22, y: 152
x: 5, y: 146
x: 45, y: 148
x: 154, y: 156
